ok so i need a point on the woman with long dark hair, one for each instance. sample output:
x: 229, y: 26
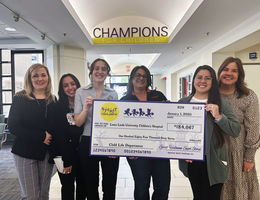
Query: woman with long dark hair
x: 242, y: 183
x: 207, y: 177
x: 144, y: 168
x: 66, y: 137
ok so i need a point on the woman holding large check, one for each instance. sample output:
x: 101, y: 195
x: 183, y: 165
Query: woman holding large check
x: 99, y: 70
x: 207, y: 177
x: 145, y: 168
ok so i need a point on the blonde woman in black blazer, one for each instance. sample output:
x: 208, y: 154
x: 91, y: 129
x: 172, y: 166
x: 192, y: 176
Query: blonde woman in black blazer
x: 28, y: 121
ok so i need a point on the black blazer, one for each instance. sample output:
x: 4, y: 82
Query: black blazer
x: 65, y: 137
x: 28, y: 121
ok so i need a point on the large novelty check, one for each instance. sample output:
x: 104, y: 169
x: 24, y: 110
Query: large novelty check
x: 148, y: 129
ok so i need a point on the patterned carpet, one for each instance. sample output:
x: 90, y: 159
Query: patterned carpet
x: 9, y: 185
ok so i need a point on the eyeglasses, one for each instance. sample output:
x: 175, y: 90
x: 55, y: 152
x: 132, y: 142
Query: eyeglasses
x: 206, y: 78
x: 140, y: 75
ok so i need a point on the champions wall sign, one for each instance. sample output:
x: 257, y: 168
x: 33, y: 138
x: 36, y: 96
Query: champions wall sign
x: 126, y: 31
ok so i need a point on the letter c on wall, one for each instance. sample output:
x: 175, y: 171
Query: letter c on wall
x: 94, y: 33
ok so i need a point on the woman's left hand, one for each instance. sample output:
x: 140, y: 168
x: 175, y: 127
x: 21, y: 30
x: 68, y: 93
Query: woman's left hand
x: 48, y: 138
x: 67, y: 170
x: 214, y: 110
x: 247, y: 166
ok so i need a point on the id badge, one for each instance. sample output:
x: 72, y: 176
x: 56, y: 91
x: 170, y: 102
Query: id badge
x: 70, y: 118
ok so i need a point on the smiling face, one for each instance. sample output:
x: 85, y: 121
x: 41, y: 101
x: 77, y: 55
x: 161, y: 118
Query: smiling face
x: 39, y: 79
x: 203, y: 82
x: 69, y: 86
x: 100, y: 72
x: 229, y: 74
x: 140, y: 80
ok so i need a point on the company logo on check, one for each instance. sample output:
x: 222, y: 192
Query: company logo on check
x: 109, y: 111
x: 138, y: 112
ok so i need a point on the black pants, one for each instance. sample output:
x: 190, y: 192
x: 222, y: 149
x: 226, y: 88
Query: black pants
x: 145, y: 168
x: 90, y: 170
x: 198, y: 176
x: 68, y: 183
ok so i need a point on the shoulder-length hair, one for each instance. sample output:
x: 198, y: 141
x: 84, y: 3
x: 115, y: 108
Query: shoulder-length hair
x: 63, y: 98
x: 92, y: 66
x: 130, y: 86
x: 241, y: 87
x: 28, y: 86
x: 213, y: 98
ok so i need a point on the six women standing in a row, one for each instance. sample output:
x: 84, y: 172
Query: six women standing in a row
x: 45, y: 129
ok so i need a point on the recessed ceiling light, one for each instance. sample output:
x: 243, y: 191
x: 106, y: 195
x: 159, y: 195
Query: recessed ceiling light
x: 10, y: 29
x: 189, y: 47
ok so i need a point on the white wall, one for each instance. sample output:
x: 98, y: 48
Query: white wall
x: 65, y: 59
x: 174, y: 87
x: 252, y: 77
x: 159, y: 84
x: 252, y: 72
x: 52, y: 62
x: 208, y: 55
x: 73, y: 60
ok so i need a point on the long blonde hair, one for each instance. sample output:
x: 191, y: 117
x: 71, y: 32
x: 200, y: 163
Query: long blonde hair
x: 28, y: 86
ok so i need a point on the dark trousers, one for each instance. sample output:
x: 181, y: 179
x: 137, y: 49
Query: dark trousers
x: 145, y: 168
x: 198, y: 176
x: 68, y: 183
x: 90, y: 171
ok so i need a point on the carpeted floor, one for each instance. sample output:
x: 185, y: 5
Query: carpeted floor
x: 9, y: 185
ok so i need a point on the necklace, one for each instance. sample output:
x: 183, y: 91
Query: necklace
x: 42, y: 105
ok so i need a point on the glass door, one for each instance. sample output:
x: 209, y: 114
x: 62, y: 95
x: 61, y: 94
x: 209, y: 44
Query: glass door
x: 22, y: 61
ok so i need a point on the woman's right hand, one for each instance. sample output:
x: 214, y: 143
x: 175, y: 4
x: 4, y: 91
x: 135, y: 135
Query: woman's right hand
x: 89, y: 101
x: 189, y: 161
x: 47, y: 139
x: 80, y: 118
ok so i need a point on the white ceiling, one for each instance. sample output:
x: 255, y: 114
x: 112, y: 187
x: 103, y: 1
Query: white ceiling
x: 61, y: 26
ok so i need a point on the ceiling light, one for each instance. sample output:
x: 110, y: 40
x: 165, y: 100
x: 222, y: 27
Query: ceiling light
x: 189, y: 47
x: 10, y: 29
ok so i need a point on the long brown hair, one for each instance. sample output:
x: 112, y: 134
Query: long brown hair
x: 63, y: 98
x: 241, y: 87
x: 28, y: 86
x: 214, y: 98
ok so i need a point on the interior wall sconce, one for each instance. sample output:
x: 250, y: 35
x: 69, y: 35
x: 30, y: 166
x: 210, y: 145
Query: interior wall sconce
x: 16, y: 18
x: 43, y: 36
